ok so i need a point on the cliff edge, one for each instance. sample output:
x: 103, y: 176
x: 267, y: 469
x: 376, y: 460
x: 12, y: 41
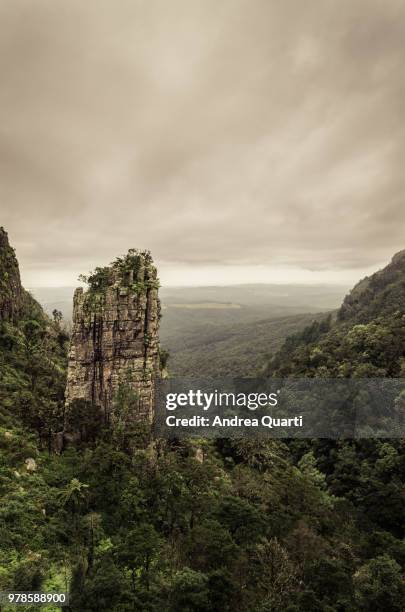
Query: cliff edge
x: 12, y: 295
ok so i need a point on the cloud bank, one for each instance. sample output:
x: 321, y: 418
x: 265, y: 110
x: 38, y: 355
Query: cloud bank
x: 264, y: 136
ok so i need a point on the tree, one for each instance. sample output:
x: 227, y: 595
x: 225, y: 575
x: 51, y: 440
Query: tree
x: 57, y: 317
x: 379, y: 585
x: 274, y: 574
x: 189, y: 591
x: 74, y: 496
x: 137, y: 552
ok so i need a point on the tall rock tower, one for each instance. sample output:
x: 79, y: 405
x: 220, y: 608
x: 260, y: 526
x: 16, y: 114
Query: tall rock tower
x: 115, y: 337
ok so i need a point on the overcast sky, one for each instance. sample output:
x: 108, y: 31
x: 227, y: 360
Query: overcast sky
x: 241, y: 140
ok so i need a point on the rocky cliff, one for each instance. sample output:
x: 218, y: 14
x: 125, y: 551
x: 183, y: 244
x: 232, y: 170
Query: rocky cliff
x: 12, y: 295
x: 115, y: 339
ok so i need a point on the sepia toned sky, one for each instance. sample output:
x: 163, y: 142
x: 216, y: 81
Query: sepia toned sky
x: 240, y: 140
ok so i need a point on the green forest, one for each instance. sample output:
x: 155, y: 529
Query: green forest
x: 126, y: 522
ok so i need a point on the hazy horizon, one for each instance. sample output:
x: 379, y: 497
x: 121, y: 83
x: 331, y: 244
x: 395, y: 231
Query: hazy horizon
x: 237, y: 275
x: 218, y: 277
x: 224, y: 285
x: 238, y: 304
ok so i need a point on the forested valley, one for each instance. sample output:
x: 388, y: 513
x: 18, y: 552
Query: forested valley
x: 127, y: 522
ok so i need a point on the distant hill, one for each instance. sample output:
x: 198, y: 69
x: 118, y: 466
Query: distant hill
x: 302, y: 298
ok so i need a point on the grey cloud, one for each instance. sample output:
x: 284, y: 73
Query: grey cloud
x: 232, y: 133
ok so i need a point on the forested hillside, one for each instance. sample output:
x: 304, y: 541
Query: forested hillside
x: 368, y: 338
x: 32, y: 383
x: 198, y: 526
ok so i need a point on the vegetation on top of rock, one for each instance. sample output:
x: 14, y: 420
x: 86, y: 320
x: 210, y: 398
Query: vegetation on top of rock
x: 126, y: 270
x: 97, y: 280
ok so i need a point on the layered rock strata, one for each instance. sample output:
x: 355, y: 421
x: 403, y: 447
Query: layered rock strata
x: 115, y: 336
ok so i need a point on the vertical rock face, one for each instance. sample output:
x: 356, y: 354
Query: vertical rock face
x: 115, y: 335
x: 12, y: 295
